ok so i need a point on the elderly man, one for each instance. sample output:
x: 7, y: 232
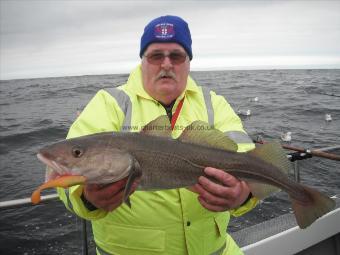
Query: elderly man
x: 177, y: 221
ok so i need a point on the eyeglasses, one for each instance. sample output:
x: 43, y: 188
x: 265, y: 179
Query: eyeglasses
x: 157, y: 58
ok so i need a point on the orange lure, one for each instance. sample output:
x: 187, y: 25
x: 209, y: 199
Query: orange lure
x: 62, y: 182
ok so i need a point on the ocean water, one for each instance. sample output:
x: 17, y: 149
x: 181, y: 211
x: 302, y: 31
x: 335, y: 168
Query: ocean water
x: 37, y: 112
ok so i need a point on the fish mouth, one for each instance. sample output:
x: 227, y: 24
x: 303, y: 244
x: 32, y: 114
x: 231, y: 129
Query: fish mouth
x: 54, y: 170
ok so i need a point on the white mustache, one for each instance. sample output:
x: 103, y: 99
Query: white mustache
x: 169, y: 74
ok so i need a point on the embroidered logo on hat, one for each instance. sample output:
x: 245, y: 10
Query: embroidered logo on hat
x: 164, y: 31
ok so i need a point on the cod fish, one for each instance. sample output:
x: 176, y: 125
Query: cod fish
x: 165, y: 163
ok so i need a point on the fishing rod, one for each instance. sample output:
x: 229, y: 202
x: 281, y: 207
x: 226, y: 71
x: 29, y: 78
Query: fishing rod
x: 309, y: 152
x: 316, y: 152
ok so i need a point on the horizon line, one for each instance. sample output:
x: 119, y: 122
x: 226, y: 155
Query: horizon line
x: 212, y: 69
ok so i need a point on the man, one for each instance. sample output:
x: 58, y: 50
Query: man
x: 178, y: 221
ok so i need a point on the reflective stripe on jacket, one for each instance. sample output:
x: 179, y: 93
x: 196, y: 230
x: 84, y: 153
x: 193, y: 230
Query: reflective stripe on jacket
x: 160, y: 222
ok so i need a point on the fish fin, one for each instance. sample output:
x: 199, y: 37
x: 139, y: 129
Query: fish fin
x: 273, y: 154
x: 306, y: 214
x: 261, y: 190
x: 201, y: 133
x: 158, y: 127
x: 135, y: 172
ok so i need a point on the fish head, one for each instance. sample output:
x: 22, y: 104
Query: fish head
x: 92, y: 157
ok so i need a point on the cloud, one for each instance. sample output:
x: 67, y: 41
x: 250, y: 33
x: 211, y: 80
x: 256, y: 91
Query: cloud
x: 56, y: 38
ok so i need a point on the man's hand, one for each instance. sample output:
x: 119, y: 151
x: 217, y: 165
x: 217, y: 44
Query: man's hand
x: 229, y: 194
x: 107, y: 197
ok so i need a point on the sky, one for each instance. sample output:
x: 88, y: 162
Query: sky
x: 65, y: 38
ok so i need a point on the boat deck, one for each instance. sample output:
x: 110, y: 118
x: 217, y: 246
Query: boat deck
x: 281, y: 235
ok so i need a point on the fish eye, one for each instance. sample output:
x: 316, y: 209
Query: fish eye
x: 77, y: 152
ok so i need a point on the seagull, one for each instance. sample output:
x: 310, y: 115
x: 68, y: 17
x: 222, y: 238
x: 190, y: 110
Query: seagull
x: 255, y: 99
x: 286, y: 137
x: 244, y: 113
x: 328, y: 117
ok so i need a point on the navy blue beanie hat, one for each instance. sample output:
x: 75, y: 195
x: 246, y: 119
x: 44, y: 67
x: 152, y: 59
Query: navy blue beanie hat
x: 166, y: 29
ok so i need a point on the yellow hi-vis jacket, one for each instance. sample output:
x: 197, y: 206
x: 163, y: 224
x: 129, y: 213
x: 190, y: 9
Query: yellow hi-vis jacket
x: 168, y: 222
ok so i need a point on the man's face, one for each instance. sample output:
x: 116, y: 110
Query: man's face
x: 165, y: 78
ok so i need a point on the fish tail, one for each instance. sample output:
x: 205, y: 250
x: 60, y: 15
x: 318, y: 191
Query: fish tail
x: 308, y: 212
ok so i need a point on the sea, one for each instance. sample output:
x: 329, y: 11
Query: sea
x: 37, y: 112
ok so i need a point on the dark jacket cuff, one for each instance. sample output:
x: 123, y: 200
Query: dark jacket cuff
x: 89, y: 206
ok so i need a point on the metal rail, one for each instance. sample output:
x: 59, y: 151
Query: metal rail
x: 24, y: 202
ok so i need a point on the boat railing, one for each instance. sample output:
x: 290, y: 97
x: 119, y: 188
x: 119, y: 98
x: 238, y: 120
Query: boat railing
x: 26, y: 202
